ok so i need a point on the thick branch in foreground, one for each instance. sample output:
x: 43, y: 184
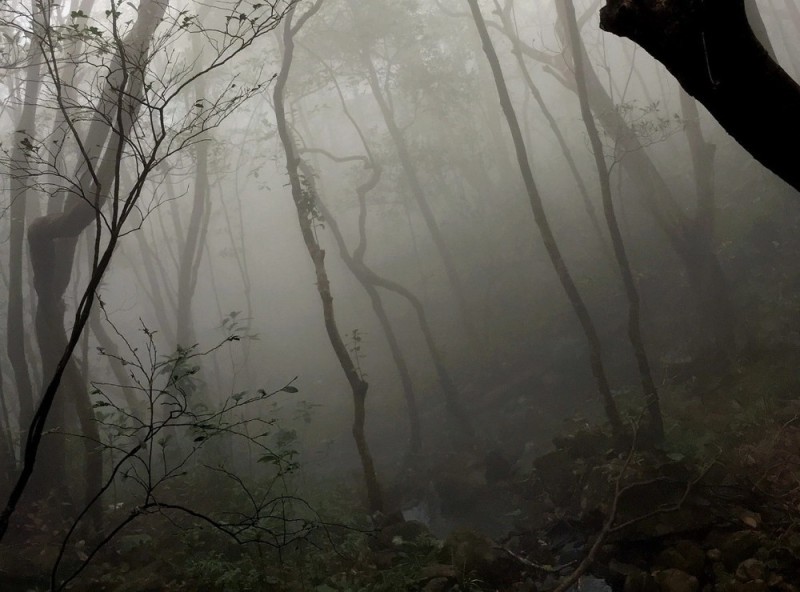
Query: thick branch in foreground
x: 709, y: 46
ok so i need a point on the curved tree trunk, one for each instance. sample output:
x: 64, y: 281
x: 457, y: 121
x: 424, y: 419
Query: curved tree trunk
x: 415, y: 429
x: 709, y: 46
x: 51, y: 238
x: 420, y: 197
x: 305, y: 205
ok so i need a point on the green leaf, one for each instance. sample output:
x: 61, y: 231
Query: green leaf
x: 290, y: 389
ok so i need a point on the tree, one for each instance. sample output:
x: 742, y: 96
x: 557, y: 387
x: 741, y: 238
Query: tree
x: 305, y: 199
x: 120, y: 121
x: 690, y: 233
x: 631, y: 291
x: 710, y: 47
x: 540, y: 216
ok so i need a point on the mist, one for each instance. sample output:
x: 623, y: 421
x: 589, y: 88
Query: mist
x: 447, y: 295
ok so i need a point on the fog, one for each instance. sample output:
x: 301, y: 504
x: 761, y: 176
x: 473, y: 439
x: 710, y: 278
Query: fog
x: 275, y: 278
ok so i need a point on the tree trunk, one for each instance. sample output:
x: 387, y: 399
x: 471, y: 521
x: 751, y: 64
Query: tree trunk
x: 304, y: 205
x: 631, y: 292
x: 49, y: 235
x: 685, y: 235
x: 505, y: 16
x: 410, y: 171
x: 553, y: 251
x: 415, y: 429
x: 192, y: 249
x: 19, y: 195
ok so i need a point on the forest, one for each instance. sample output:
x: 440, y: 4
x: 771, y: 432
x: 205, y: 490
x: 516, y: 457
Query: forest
x: 411, y: 295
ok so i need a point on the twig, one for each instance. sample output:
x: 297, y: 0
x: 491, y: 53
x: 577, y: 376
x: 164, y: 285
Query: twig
x: 532, y: 564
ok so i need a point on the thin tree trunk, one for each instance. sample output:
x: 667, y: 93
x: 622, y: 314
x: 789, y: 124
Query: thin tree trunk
x: 305, y: 218
x: 161, y: 308
x: 452, y: 398
x: 415, y: 429
x: 8, y: 456
x: 410, y: 171
x: 503, y: 13
x: 553, y: 251
x: 19, y: 195
x: 710, y: 291
x: 192, y: 248
x: 634, y: 321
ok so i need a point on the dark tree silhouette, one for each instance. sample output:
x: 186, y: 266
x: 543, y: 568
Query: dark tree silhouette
x: 710, y: 47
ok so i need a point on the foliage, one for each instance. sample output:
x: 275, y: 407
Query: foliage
x: 168, y: 442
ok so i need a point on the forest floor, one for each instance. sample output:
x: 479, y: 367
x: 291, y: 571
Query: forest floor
x: 715, y: 508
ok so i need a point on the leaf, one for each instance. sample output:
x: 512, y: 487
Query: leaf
x: 290, y: 389
x: 98, y: 404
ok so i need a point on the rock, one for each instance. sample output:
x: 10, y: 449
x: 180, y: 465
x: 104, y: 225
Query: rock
x: 714, y: 555
x: 774, y: 580
x: 385, y: 558
x: 755, y: 586
x: 467, y: 549
x: 437, y: 570
x: 526, y: 586
x: 723, y: 580
x: 675, y: 580
x: 686, y: 556
x: 437, y: 585
x: 591, y: 584
x: 584, y: 444
x: 620, y: 570
x: 557, y: 473
x: 751, y: 570
x: 472, y: 552
x: 640, y: 581
x: 739, y: 546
